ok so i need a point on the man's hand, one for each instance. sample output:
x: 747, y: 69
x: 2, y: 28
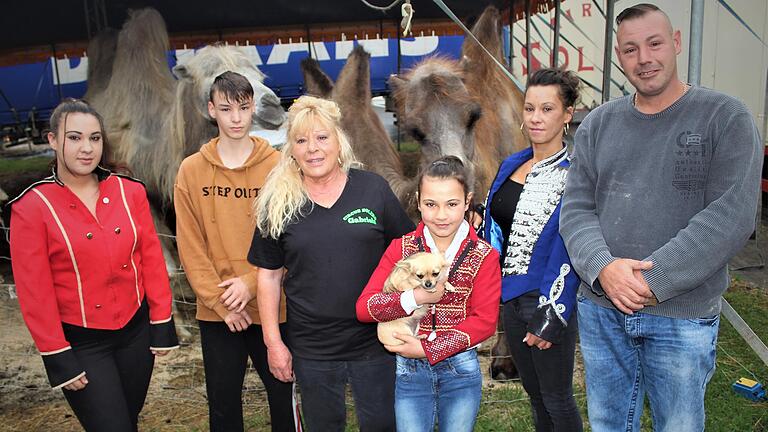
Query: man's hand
x: 652, y: 301
x: 238, y: 321
x: 77, y: 384
x: 621, y: 285
x: 237, y: 294
x: 412, y: 347
x: 533, y: 340
x: 280, y: 361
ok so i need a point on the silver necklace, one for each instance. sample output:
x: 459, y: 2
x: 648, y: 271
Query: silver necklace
x: 686, y: 87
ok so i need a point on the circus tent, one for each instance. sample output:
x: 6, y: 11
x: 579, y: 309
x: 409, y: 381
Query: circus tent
x: 32, y: 29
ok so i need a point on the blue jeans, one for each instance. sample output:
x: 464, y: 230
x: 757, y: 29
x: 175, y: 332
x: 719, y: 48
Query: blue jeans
x: 627, y: 356
x: 322, y: 385
x: 448, y: 392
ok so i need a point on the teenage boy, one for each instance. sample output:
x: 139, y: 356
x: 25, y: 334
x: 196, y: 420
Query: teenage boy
x: 213, y: 196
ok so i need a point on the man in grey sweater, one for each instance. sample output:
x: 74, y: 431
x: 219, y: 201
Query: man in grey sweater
x: 662, y: 192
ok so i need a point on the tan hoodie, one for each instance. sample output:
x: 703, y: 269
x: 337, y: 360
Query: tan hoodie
x: 215, y: 224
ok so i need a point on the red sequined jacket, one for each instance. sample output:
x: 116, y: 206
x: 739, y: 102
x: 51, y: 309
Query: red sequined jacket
x: 463, y: 318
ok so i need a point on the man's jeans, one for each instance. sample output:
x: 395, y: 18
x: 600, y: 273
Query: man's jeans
x: 448, y: 392
x: 627, y: 356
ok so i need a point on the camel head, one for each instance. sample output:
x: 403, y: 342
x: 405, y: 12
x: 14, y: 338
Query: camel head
x: 437, y: 110
x: 467, y: 108
x: 211, y: 61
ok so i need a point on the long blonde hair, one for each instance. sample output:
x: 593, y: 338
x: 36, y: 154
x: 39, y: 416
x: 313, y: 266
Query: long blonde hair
x: 281, y: 200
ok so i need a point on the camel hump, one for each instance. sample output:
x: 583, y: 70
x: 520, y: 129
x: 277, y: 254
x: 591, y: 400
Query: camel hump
x: 316, y: 82
x: 487, y: 30
x: 353, y: 83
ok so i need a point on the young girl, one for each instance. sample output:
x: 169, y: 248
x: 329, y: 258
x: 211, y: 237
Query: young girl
x: 438, y: 374
x: 90, y: 276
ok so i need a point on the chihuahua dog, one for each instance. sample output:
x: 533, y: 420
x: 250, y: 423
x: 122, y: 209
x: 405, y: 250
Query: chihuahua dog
x: 423, y: 269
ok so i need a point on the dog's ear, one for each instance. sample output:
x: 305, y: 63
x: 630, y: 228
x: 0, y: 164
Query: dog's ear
x: 403, y: 265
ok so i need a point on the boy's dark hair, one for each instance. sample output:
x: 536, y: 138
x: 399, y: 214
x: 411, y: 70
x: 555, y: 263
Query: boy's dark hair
x: 636, y: 11
x: 447, y: 167
x: 234, y: 87
x: 567, y: 82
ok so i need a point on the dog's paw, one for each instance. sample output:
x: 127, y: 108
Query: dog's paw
x: 449, y: 287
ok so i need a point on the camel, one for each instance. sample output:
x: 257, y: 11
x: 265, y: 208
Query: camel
x: 467, y: 108
x: 101, y: 52
x: 370, y: 141
x: 154, y: 120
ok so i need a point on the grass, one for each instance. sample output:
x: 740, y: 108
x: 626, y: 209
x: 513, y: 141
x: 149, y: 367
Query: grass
x: 505, y: 407
x: 37, y: 163
x: 409, y: 146
x: 727, y: 411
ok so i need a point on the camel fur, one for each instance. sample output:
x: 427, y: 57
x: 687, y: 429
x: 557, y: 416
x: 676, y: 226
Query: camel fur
x: 468, y: 108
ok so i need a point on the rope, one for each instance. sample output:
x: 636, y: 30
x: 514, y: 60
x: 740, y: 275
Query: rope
x: 407, y: 10
x: 719, y: 345
x: 458, y: 22
x: 382, y: 8
x: 739, y: 19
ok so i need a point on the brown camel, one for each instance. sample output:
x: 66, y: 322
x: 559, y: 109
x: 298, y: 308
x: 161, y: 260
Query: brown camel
x: 153, y: 121
x: 466, y: 108
x: 369, y: 139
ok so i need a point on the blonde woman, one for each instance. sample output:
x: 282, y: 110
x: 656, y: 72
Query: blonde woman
x: 322, y: 227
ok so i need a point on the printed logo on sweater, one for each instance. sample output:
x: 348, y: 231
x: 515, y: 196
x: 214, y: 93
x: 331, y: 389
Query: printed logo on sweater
x: 691, y: 165
x: 361, y: 215
x: 227, y: 191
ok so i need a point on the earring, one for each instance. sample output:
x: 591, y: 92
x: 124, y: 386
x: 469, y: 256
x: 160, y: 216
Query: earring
x: 521, y: 126
x: 566, y: 128
x: 298, y: 167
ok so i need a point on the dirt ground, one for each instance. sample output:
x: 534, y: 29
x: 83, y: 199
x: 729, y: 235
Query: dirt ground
x: 176, y: 399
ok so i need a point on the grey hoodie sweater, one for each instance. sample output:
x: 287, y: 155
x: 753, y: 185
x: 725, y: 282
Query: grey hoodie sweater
x: 679, y: 188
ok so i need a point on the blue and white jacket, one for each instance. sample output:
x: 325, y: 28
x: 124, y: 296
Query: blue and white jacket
x: 536, y: 258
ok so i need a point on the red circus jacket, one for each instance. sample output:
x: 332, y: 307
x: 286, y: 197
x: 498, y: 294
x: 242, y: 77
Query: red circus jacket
x: 70, y: 267
x: 463, y: 318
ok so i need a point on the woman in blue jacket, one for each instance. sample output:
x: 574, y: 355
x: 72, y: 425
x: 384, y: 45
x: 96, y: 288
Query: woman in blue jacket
x: 538, y: 283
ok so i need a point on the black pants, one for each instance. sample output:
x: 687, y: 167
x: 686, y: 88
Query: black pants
x: 547, y: 375
x: 118, y: 366
x: 225, y: 357
x: 323, y: 384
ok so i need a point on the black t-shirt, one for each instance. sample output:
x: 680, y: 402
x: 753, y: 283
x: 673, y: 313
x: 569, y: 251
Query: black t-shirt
x: 329, y: 255
x: 503, y: 207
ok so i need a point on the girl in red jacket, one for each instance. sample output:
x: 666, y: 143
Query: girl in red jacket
x: 438, y: 376
x: 90, y: 276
